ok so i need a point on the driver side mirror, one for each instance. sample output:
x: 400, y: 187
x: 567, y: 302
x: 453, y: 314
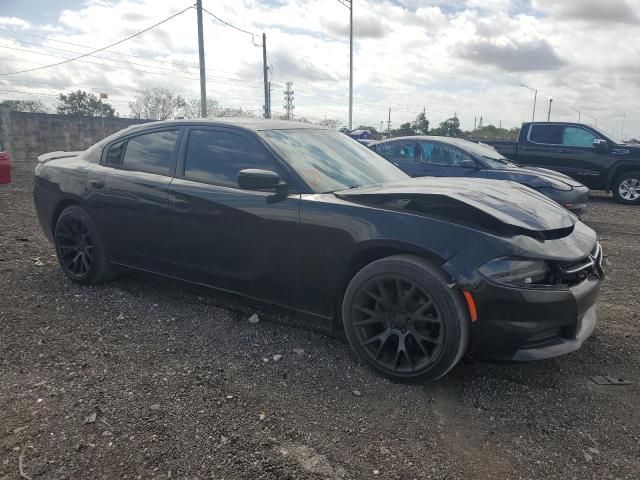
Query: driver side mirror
x: 600, y: 144
x: 255, y: 179
x: 467, y: 163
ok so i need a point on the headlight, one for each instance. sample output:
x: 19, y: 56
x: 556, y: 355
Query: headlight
x: 545, y: 182
x: 516, y: 271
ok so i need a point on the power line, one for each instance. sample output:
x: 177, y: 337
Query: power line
x: 99, y: 49
x: 233, y: 26
x: 116, y: 61
x: 51, y: 39
x: 144, y: 71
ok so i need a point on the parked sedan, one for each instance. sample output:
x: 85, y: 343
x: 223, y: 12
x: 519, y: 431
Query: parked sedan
x: 454, y: 157
x: 417, y: 272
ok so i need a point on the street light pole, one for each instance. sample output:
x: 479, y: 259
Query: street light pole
x: 576, y: 110
x: 549, y: 112
x: 535, y: 100
x: 351, y: 64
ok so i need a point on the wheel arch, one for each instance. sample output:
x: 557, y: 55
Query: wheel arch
x: 59, y: 208
x: 619, y: 169
x: 366, y: 253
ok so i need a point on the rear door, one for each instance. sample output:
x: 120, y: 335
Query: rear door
x: 222, y: 235
x: 439, y: 159
x: 128, y: 195
x: 404, y: 153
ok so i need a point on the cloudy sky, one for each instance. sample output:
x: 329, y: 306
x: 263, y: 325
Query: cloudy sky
x: 467, y: 56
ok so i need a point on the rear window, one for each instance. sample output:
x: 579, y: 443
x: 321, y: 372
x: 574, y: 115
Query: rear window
x: 114, y: 154
x: 151, y: 152
x: 549, y: 134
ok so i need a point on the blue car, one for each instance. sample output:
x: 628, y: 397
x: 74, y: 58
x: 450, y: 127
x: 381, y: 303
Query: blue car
x: 426, y: 156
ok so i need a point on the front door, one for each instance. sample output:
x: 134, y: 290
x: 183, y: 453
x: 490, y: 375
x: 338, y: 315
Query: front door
x: 221, y: 235
x: 127, y: 195
x: 567, y: 149
x: 403, y: 153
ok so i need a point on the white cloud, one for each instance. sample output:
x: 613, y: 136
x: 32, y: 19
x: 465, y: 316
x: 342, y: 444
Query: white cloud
x: 14, y: 22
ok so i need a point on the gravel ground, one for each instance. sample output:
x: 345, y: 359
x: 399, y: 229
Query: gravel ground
x: 144, y: 378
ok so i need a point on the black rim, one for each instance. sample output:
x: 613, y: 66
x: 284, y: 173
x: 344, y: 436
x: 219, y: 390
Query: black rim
x: 75, y: 247
x: 398, y: 324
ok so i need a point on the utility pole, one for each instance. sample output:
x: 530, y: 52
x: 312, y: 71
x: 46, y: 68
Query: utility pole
x: 288, y: 99
x: 389, y: 124
x: 265, y: 73
x: 350, y: 64
x: 624, y: 117
x: 549, y: 112
x: 475, y: 123
x: 203, y: 80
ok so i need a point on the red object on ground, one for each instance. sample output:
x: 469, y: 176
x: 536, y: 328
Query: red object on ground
x: 5, y: 168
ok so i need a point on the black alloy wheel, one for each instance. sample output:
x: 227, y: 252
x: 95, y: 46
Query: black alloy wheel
x: 80, y: 250
x: 75, y: 246
x: 403, y: 320
x: 397, y: 323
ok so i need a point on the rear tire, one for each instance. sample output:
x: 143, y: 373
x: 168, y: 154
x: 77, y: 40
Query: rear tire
x: 626, y: 188
x: 81, y: 252
x: 403, y: 320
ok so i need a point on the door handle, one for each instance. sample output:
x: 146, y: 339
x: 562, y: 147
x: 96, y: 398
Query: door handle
x: 179, y: 203
x: 97, y: 183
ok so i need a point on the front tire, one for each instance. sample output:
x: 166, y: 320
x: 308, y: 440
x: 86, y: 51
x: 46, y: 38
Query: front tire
x: 80, y: 249
x: 402, y: 319
x: 626, y: 188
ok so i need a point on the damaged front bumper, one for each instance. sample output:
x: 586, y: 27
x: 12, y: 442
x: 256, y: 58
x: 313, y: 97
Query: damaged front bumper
x: 524, y: 324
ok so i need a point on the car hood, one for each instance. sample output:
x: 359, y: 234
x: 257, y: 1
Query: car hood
x: 495, y: 205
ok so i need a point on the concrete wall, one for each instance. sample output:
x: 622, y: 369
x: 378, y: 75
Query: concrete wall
x: 27, y: 135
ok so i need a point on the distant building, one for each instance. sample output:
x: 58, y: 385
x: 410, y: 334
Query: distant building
x: 361, y: 135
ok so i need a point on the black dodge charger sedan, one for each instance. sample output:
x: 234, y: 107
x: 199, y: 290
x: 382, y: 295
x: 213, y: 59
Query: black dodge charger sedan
x: 416, y: 271
x: 435, y: 156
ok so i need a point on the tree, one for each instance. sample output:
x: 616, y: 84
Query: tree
x: 404, y: 130
x: 191, y: 108
x: 84, y: 104
x: 449, y: 128
x: 32, y: 106
x: 421, y: 125
x: 156, y: 104
x: 330, y: 123
x: 493, y: 132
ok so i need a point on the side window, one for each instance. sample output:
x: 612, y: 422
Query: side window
x: 445, y: 155
x: 216, y: 157
x: 398, y: 152
x: 577, y: 137
x: 150, y: 152
x: 114, y: 155
x: 549, y: 134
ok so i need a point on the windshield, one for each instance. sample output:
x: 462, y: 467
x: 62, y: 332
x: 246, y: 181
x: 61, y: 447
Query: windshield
x: 329, y: 161
x: 489, y: 154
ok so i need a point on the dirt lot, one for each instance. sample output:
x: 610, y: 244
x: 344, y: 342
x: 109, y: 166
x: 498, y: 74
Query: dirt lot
x: 142, y: 378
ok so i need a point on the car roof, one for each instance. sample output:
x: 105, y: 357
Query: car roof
x: 249, y: 124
